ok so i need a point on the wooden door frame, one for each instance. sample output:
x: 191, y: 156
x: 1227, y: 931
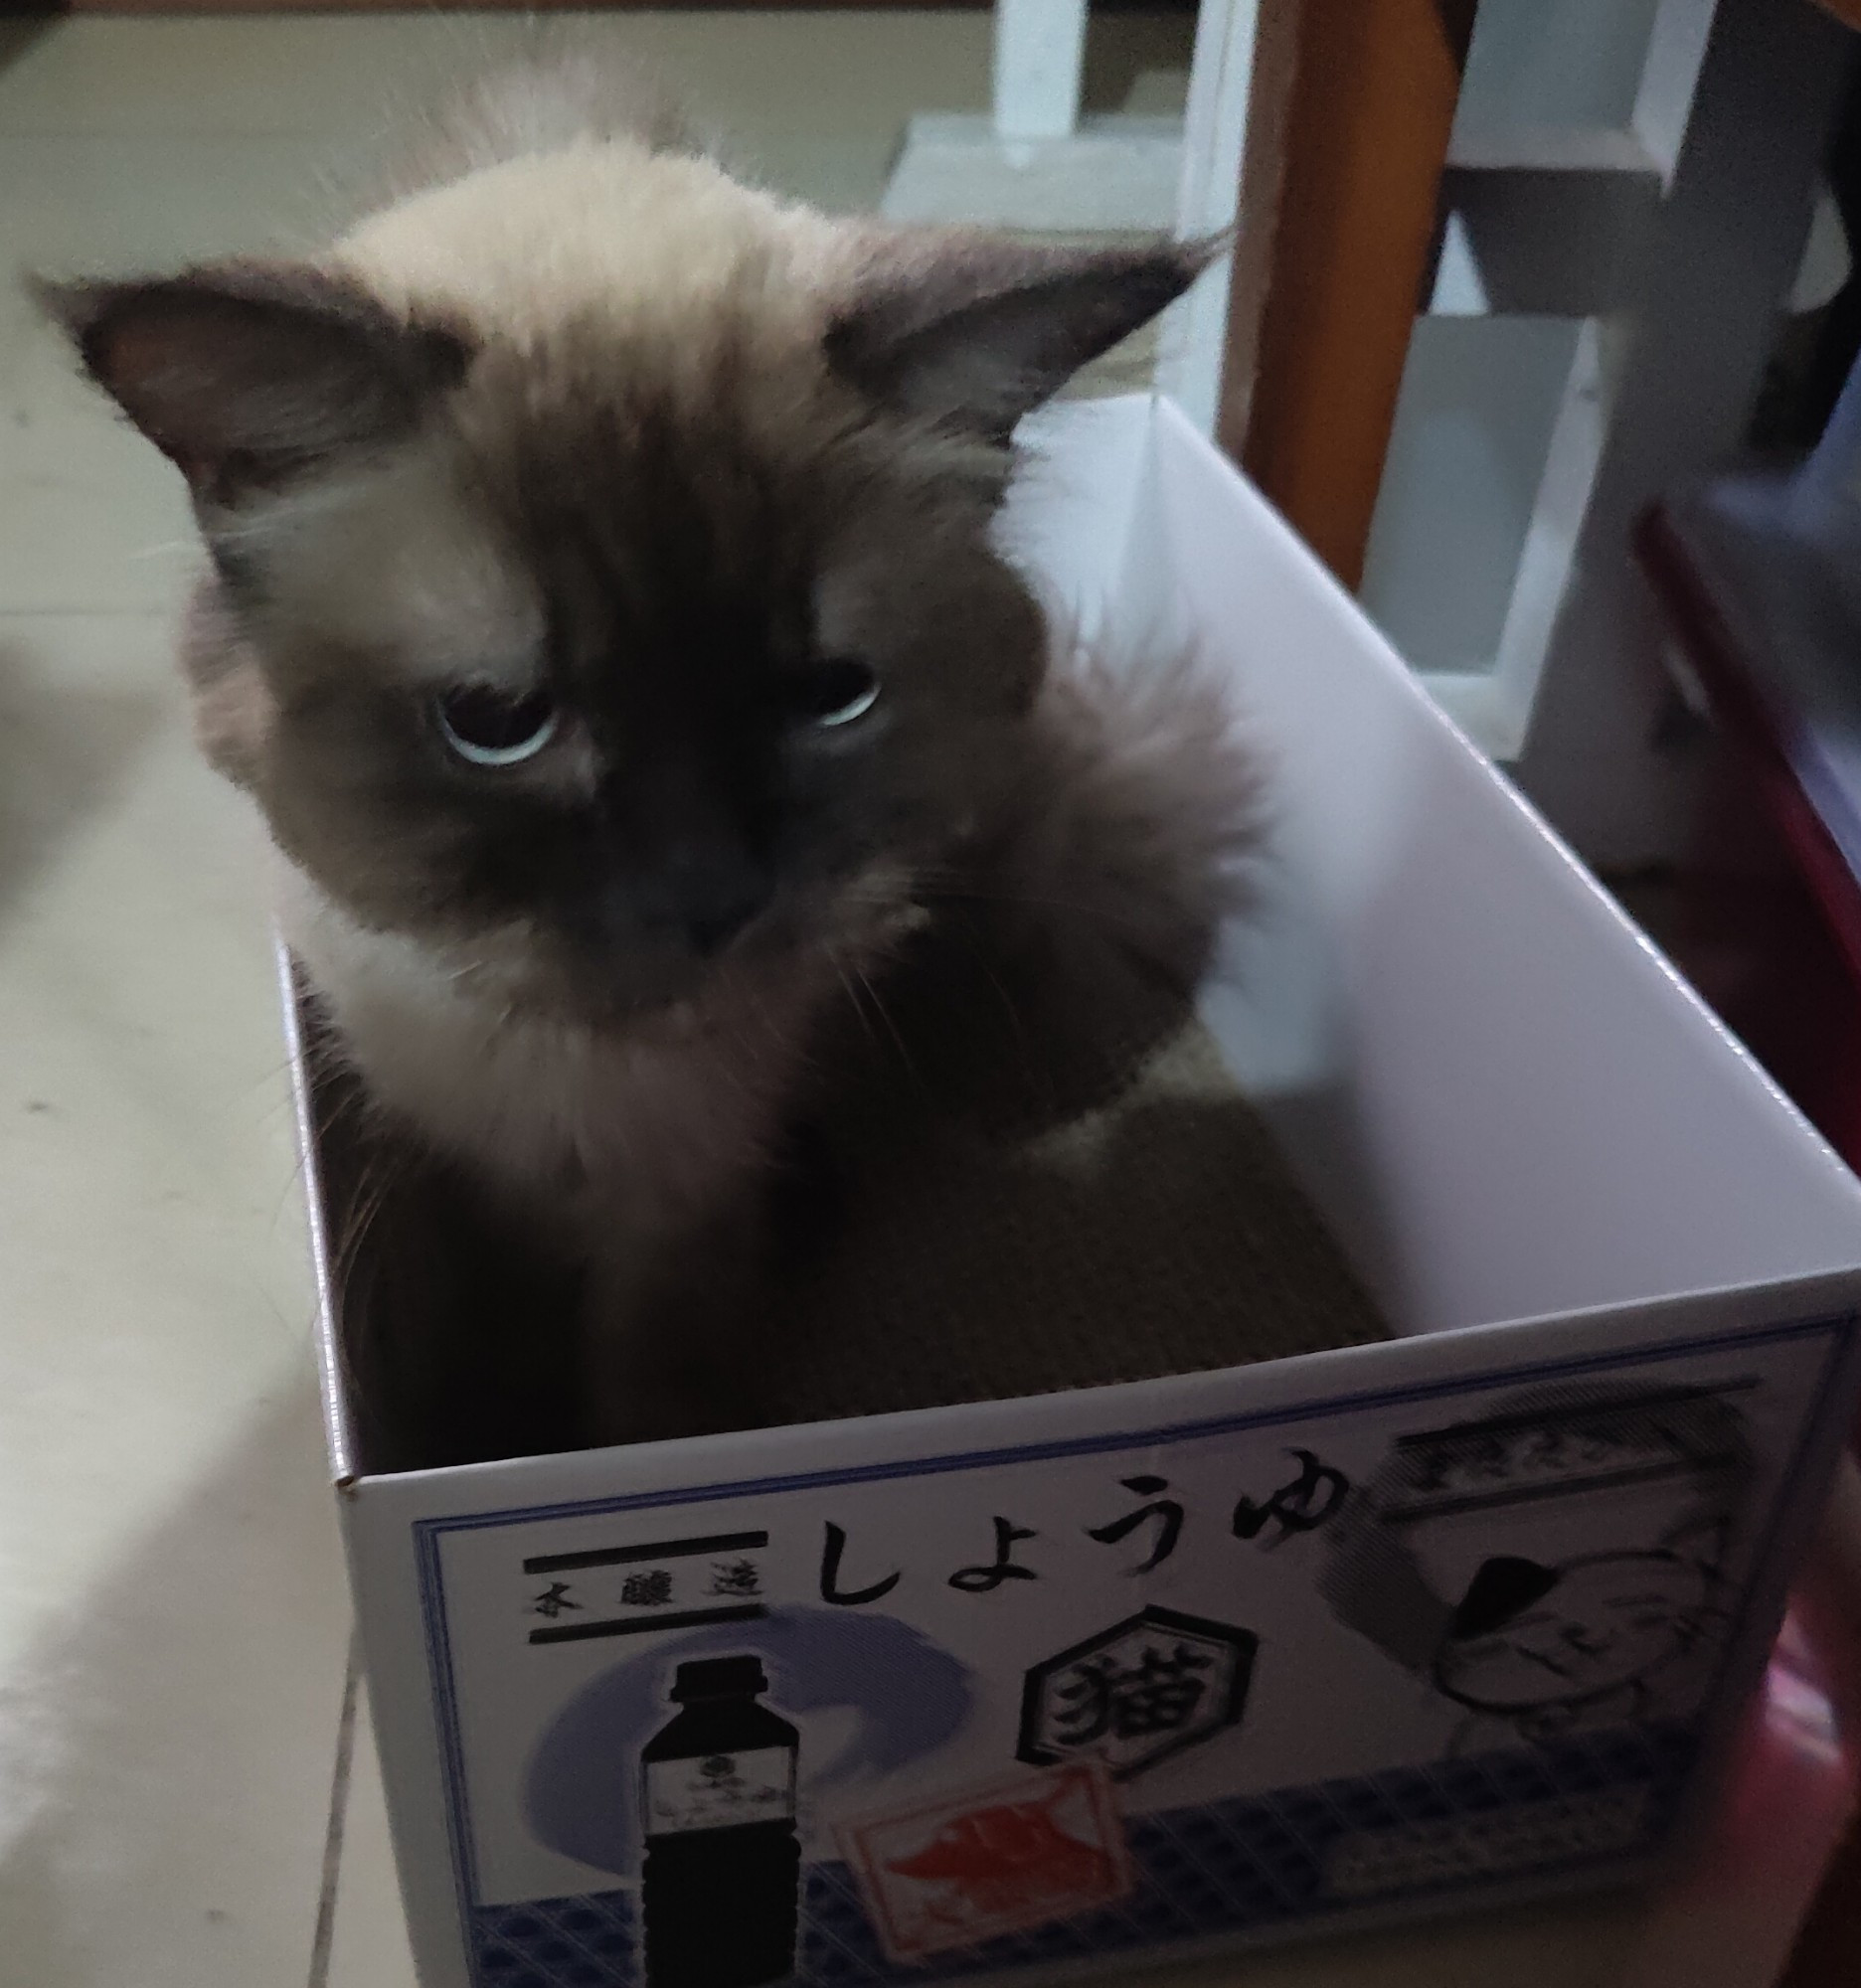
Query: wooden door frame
x: 1349, y: 118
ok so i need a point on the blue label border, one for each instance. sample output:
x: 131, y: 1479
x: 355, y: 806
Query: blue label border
x: 1839, y: 1328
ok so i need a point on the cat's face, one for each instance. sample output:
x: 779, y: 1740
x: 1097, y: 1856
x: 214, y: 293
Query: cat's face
x: 596, y: 695
x: 597, y: 661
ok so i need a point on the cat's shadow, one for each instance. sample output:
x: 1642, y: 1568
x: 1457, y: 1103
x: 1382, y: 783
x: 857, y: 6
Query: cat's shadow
x: 1034, y: 1171
x: 1164, y: 1234
x: 463, y: 1333
x: 1159, y: 1233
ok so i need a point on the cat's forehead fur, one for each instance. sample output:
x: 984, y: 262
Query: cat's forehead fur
x: 648, y: 421
x: 656, y: 246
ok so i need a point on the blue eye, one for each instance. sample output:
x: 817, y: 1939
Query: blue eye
x: 833, y: 693
x: 494, y: 728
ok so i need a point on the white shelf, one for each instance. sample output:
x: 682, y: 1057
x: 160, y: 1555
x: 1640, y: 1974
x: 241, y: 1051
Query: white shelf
x: 1569, y: 126
x: 1109, y: 175
x: 1548, y: 148
x: 1498, y: 433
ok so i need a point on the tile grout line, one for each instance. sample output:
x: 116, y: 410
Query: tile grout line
x: 323, y: 1939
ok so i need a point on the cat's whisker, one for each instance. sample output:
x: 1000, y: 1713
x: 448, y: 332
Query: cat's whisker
x: 1009, y: 1005
x: 852, y: 994
x: 884, y: 1015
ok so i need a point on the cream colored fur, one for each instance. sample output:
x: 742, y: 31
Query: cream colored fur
x: 644, y: 239
x: 385, y: 558
x: 639, y: 1133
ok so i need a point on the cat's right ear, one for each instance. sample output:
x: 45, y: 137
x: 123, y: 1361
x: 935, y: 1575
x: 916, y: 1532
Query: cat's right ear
x: 974, y: 330
x: 248, y: 374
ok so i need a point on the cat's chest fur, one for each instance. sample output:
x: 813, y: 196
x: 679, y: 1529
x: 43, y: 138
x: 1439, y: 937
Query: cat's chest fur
x: 642, y: 1131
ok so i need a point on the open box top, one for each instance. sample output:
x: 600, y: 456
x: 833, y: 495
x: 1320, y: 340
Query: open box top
x: 1507, y: 1105
x: 1623, y: 1276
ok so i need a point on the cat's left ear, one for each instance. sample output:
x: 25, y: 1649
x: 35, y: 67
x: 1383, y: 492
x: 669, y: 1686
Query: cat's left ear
x: 977, y: 330
x: 248, y: 374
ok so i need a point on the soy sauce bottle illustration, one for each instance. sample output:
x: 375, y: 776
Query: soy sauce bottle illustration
x: 720, y: 1887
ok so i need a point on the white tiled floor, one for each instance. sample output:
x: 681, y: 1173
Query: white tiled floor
x: 172, y: 1617
x: 173, y: 1626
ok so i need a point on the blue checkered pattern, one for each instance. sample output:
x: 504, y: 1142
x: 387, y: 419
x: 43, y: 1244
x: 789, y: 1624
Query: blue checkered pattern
x: 557, y: 1943
x: 1228, y: 1868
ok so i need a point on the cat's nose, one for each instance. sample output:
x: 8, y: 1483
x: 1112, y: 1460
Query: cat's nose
x: 713, y: 901
x: 713, y: 925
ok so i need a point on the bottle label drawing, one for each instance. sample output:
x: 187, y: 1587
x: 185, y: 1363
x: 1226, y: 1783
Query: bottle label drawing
x: 720, y: 1886
x: 721, y: 1790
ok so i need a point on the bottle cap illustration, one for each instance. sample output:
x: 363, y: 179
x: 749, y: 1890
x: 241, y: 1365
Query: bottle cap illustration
x: 717, y: 1677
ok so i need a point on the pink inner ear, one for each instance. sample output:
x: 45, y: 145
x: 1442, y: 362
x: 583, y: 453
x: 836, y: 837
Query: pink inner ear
x: 979, y: 329
x: 255, y: 372
x: 146, y: 367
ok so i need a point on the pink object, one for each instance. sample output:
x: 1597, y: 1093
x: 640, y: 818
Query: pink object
x: 992, y: 1861
x: 1730, y: 1920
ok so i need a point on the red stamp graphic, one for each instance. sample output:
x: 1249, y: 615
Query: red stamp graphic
x: 991, y: 1860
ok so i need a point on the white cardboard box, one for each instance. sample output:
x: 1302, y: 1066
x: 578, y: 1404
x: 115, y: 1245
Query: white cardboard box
x: 1407, y: 1625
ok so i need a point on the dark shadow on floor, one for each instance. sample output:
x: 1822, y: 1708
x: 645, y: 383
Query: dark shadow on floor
x: 20, y: 28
